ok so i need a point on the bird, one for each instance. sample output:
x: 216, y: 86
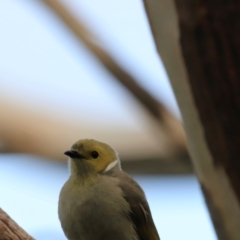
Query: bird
x: 100, y: 201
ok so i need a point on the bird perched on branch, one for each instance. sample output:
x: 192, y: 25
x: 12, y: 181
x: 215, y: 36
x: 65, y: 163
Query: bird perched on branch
x: 100, y: 201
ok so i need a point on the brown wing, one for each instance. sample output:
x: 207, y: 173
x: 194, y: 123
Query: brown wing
x: 140, y: 213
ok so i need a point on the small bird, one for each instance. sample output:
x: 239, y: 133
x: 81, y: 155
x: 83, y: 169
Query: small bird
x: 99, y: 201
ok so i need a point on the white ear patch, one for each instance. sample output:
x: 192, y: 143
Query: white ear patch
x: 111, y: 165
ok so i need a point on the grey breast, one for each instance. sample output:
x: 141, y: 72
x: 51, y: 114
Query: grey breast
x: 97, y: 211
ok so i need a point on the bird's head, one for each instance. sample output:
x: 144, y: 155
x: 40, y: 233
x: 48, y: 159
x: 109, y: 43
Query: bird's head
x: 91, y: 156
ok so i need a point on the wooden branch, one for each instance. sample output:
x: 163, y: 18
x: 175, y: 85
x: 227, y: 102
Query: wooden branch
x: 93, y: 43
x: 168, y: 123
x: 27, y: 130
x: 209, y: 98
x: 9, y: 230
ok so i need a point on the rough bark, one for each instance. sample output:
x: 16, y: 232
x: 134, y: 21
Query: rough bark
x: 210, y: 40
x: 208, y: 93
x: 9, y: 230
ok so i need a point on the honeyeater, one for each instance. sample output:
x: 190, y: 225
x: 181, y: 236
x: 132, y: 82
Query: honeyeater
x: 99, y: 201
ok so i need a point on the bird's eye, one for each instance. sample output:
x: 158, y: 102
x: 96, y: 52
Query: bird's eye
x: 95, y: 154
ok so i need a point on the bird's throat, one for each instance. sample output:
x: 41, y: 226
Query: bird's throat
x: 81, y: 169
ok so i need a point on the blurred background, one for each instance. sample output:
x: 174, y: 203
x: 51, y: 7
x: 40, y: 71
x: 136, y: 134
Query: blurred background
x: 106, y: 82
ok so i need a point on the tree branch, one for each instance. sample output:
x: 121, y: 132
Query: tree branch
x: 10, y: 230
x: 166, y: 121
x: 91, y: 40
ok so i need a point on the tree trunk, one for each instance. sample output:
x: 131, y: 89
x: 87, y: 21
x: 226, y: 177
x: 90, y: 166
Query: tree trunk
x: 209, y: 98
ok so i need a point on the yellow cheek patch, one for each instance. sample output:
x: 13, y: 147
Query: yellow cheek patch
x: 103, y: 165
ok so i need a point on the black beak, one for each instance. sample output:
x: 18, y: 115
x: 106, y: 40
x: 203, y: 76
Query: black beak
x: 73, y: 154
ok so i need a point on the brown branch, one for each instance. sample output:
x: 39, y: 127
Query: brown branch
x: 10, y: 230
x: 90, y: 39
x: 165, y: 137
x: 170, y: 126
